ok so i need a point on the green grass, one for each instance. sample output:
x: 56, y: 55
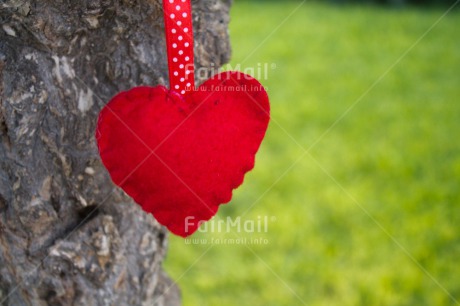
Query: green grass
x: 371, y: 215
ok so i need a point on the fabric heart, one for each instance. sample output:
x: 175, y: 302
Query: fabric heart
x: 180, y: 157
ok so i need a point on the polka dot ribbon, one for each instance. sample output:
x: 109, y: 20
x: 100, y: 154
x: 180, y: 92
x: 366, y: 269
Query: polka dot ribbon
x: 179, y: 41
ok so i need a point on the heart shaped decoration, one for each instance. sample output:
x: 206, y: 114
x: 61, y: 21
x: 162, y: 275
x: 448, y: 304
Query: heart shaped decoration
x: 180, y: 156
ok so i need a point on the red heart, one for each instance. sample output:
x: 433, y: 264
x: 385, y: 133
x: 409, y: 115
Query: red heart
x: 180, y: 157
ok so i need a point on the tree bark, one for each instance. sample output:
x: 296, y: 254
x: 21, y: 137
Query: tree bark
x: 68, y: 236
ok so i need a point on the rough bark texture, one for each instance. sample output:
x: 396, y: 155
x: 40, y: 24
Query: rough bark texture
x: 67, y: 235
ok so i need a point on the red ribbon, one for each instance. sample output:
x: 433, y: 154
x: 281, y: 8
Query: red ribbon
x: 179, y: 42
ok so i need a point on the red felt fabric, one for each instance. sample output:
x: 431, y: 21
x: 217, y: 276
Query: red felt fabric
x: 180, y: 157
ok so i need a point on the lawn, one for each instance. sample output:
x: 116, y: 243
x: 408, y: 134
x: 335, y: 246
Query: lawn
x: 359, y: 175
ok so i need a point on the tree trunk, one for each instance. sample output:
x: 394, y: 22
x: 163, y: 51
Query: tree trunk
x: 67, y: 234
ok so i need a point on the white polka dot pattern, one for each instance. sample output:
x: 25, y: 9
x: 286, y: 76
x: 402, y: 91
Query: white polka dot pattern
x: 179, y: 40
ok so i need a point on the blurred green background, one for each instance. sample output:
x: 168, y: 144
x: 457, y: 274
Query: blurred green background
x: 360, y: 171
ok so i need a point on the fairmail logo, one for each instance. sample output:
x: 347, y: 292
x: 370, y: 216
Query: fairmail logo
x: 260, y: 71
x: 238, y: 225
